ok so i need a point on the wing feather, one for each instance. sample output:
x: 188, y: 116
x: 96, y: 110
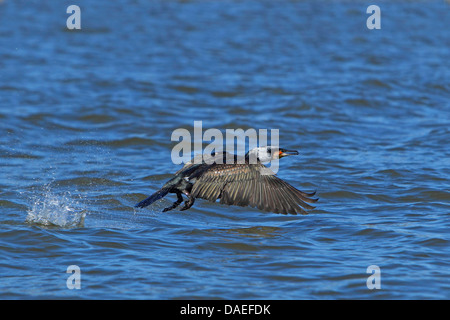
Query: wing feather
x: 244, y: 185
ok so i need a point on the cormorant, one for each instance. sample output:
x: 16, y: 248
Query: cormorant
x: 244, y: 182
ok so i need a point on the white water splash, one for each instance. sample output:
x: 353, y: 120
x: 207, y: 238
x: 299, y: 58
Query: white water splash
x: 51, y: 209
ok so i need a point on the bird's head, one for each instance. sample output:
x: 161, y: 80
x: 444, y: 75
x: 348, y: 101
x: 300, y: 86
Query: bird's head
x: 269, y: 153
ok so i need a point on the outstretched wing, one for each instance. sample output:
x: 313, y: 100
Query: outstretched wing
x: 251, y: 185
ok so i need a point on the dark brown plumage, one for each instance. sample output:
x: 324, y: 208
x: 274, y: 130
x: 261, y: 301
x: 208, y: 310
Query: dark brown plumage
x: 243, y: 183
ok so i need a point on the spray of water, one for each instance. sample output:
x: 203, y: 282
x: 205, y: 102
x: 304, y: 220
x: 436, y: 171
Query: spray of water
x: 58, y: 210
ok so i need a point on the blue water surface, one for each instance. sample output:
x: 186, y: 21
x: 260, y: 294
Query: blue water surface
x: 86, y: 118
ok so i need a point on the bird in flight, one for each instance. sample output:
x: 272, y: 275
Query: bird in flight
x: 244, y: 181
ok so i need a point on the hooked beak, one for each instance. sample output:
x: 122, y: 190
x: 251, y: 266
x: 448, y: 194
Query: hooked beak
x: 285, y: 152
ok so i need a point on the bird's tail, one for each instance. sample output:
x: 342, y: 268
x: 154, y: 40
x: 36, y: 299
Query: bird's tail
x: 156, y: 196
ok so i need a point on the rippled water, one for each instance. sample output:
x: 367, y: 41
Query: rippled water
x: 86, y: 119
